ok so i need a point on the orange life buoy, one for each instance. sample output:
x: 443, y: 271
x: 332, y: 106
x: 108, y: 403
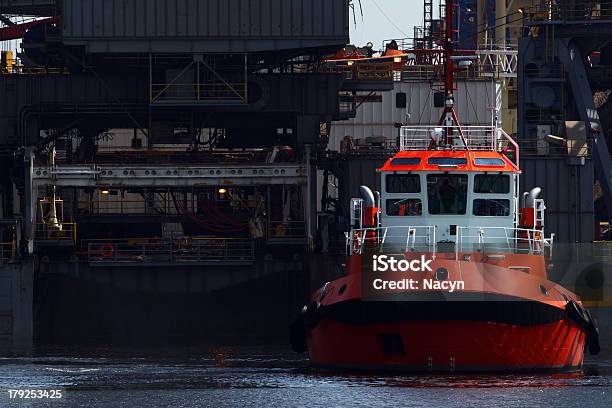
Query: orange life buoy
x: 107, y: 250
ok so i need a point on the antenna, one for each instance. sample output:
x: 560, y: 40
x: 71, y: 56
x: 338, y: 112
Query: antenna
x: 449, y: 116
x: 352, y: 6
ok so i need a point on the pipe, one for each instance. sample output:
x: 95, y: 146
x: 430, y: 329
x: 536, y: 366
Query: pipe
x: 524, y: 201
x: 531, y: 197
x: 368, y: 196
x: 379, y: 206
x: 377, y: 198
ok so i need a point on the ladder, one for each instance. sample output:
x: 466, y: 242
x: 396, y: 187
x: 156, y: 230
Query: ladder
x: 538, y: 214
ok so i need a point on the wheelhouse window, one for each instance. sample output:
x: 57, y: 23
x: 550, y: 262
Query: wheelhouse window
x: 447, y: 193
x: 403, y: 183
x: 407, y: 207
x: 491, y: 208
x: 406, y: 161
x: 448, y: 161
x: 489, y: 162
x: 492, y: 184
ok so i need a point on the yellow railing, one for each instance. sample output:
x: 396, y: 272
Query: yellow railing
x: 65, y: 232
x: 14, y: 67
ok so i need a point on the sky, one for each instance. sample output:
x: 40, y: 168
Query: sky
x: 385, y: 19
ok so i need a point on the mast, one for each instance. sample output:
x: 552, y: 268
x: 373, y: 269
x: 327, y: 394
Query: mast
x: 449, y: 80
x: 449, y: 117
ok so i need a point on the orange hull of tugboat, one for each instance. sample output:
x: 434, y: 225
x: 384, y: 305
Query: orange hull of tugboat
x: 505, y: 320
x: 447, y: 346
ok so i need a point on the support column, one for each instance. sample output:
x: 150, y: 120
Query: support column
x: 29, y: 202
x: 311, y: 196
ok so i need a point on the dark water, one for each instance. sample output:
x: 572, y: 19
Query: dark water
x: 270, y: 377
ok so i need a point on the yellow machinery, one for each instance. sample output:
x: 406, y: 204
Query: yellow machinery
x: 7, y: 62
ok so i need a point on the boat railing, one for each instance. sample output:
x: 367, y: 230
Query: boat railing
x: 468, y: 239
x: 195, y: 250
x: 391, y: 239
x: 502, y: 240
x: 475, y: 138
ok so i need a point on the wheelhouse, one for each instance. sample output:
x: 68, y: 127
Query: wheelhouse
x: 449, y: 189
x: 450, y: 185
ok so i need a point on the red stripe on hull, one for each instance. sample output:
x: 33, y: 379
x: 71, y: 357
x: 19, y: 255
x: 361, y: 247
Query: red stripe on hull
x: 448, y: 346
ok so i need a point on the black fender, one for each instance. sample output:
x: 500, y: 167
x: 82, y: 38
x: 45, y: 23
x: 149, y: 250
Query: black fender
x: 584, y: 319
x: 308, y: 319
x: 593, y: 335
x: 312, y: 315
x: 577, y: 314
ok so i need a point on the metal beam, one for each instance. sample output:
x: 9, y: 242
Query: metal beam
x: 7, y: 21
x: 498, y: 63
x: 118, y: 176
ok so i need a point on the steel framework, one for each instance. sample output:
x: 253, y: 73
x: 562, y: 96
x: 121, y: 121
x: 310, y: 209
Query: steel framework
x: 162, y: 176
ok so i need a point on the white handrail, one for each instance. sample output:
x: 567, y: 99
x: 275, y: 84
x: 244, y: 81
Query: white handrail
x: 511, y: 237
x: 486, y: 239
x: 408, y: 238
x: 478, y: 138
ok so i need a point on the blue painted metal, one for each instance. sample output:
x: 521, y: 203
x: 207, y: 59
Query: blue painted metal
x: 468, y: 25
x: 491, y: 20
x: 571, y: 57
x: 555, y: 59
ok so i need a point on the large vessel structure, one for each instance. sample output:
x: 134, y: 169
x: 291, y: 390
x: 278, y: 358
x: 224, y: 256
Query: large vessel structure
x: 483, y: 302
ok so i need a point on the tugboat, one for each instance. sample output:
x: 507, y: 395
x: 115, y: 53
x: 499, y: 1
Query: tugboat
x: 447, y: 265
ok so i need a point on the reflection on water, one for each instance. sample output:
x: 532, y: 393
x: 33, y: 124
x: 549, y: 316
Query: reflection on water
x: 265, y: 377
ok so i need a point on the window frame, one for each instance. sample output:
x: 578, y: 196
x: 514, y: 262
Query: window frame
x: 414, y: 161
x: 488, y: 199
x: 466, y: 177
x: 418, y: 176
x: 498, y: 175
x: 476, y: 159
x: 418, y: 199
x: 453, y: 161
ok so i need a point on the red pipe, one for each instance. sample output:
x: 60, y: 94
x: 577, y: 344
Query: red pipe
x: 18, y: 31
